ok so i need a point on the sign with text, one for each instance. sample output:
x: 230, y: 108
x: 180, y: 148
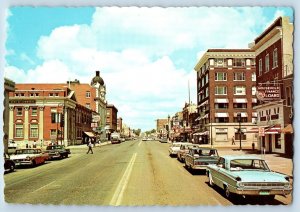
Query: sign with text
x: 261, y: 131
x: 268, y: 92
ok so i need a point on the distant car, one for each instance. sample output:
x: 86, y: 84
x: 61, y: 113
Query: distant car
x: 57, y: 151
x: 29, y: 156
x: 201, y: 157
x: 248, y: 176
x: 163, y: 140
x: 9, y: 165
x: 144, y: 139
x: 183, y: 150
x: 174, y: 148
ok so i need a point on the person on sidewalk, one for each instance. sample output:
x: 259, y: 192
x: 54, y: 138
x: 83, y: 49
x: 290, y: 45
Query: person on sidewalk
x: 233, y: 141
x: 90, y: 145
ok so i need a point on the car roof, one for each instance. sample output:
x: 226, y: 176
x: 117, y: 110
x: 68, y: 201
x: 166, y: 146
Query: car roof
x: 240, y: 157
x: 204, y: 148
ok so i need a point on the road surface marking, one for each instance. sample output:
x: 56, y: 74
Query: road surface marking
x: 118, y: 195
x: 45, y: 186
x: 139, y: 143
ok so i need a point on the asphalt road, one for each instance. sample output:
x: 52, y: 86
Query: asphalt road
x: 133, y: 173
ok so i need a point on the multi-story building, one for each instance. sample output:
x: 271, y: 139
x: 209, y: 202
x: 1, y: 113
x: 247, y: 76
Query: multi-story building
x: 111, y: 119
x: 47, y: 113
x: 274, y: 70
x: 9, y: 86
x: 226, y: 87
x: 189, y: 112
x: 161, y: 128
x: 119, y: 124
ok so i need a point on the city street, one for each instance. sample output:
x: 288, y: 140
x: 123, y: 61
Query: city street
x: 131, y: 173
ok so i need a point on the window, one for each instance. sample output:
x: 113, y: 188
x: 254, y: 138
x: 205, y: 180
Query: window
x: 19, y: 131
x: 221, y: 105
x: 239, y: 76
x: 267, y: 61
x: 34, y: 94
x: 88, y: 94
x: 243, y: 120
x: 221, y: 90
x: 239, y: 90
x: 237, y: 134
x: 34, y: 111
x: 221, y: 134
x: 253, y: 90
x: 19, y: 111
x: 240, y: 105
x: 220, y: 76
x: 34, y: 132
x: 253, y: 76
x: 52, y: 132
x: 239, y: 62
x: 222, y: 120
x: 260, y: 67
x: 277, y: 141
x: 275, y: 58
x: 55, y: 117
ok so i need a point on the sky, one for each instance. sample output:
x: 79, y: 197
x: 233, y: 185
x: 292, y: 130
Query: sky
x: 146, y: 56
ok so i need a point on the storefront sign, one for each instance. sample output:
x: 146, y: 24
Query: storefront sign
x: 22, y: 101
x: 268, y: 92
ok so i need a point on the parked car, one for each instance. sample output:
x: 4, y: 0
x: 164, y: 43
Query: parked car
x: 57, y: 151
x: 29, y: 156
x: 9, y: 165
x: 201, y: 157
x: 248, y: 176
x: 174, y: 147
x: 183, y: 150
x: 163, y: 140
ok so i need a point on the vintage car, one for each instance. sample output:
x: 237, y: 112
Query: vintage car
x: 247, y: 175
x: 201, y: 157
x: 9, y: 165
x: 29, y: 156
x: 183, y: 150
x: 173, y: 148
x: 57, y: 151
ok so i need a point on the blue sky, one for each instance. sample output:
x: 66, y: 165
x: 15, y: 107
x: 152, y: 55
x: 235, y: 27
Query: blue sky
x: 146, y: 56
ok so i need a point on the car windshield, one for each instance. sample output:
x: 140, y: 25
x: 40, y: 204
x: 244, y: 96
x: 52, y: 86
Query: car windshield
x: 53, y: 147
x: 27, y: 151
x: 176, y: 145
x: 206, y: 152
x: 248, y: 164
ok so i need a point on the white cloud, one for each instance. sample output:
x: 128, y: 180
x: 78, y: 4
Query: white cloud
x: 132, y: 48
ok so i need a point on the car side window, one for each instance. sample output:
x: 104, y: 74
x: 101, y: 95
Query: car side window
x: 221, y: 163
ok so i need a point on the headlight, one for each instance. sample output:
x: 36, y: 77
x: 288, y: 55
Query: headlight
x: 28, y: 158
x: 286, y: 185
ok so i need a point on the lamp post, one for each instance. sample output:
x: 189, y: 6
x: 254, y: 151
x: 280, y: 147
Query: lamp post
x: 168, y: 127
x: 239, y: 119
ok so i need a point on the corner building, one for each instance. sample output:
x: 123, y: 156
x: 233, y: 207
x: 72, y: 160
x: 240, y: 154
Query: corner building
x: 226, y: 86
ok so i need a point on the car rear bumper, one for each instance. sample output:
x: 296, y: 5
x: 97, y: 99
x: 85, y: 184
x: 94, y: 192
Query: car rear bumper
x: 260, y: 192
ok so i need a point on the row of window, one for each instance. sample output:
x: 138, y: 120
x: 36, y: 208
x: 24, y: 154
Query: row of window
x: 237, y: 76
x: 19, y: 111
x: 267, y: 62
x: 225, y: 62
x: 33, y: 131
x: 237, y: 90
x: 18, y: 94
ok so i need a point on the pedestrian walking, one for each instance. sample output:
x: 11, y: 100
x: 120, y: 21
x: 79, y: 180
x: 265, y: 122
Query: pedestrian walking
x: 90, y: 145
x: 233, y: 141
x: 34, y: 144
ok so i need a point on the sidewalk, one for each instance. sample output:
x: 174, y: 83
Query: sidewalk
x: 276, y: 162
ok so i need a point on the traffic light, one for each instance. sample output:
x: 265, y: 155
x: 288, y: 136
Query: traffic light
x: 62, y: 120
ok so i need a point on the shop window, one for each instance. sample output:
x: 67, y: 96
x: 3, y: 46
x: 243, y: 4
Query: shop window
x: 277, y: 141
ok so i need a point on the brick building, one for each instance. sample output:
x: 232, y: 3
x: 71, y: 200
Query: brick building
x: 111, y: 119
x: 226, y: 87
x: 119, y: 124
x: 274, y: 70
x: 9, y: 86
x: 47, y: 113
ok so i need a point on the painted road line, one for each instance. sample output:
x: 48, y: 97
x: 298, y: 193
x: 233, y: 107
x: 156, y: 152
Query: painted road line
x: 118, y: 195
x: 140, y: 143
x: 44, y: 186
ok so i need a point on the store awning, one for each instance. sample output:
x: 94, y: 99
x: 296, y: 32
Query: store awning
x: 252, y: 130
x: 288, y: 129
x: 221, y: 100
x: 203, y: 103
x: 221, y: 115
x: 240, y: 101
x: 202, y: 133
x: 276, y: 129
x: 90, y: 134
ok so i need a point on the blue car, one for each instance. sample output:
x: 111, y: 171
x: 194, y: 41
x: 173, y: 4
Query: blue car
x: 248, y: 176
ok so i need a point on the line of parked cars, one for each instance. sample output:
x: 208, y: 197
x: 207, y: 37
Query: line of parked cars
x: 243, y: 175
x: 34, y: 156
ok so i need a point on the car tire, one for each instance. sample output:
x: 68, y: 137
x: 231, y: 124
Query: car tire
x: 227, y: 192
x: 12, y: 167
x: 210, y: 181
x: 33, y: 163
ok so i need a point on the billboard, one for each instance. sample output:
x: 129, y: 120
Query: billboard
x: 268, y: 92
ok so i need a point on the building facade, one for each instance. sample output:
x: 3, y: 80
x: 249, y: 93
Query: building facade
x: 226, y: 88
x: 9, y: 86
x: 274, y: 70
x: 111, y: 119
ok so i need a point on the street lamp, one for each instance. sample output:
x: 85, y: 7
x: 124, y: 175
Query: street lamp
x: 168, y: 127
x: 239, y: 119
